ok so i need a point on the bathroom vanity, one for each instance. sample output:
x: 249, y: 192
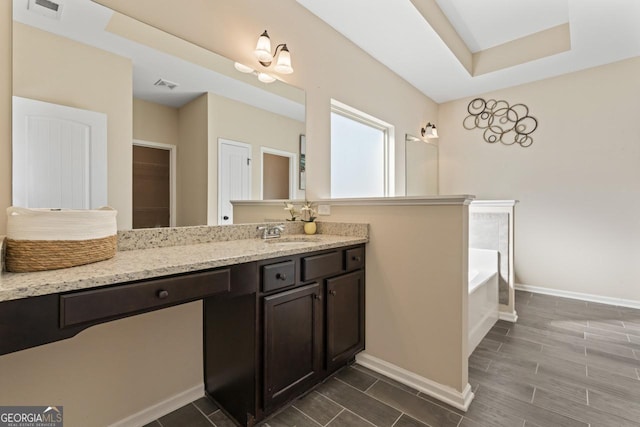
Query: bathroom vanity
x: 279, y: 317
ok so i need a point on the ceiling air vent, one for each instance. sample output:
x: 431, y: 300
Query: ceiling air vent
x: 48, y: 8
x: 166, y: 83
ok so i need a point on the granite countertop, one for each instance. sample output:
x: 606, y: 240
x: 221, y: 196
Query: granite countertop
x: 162, y: 261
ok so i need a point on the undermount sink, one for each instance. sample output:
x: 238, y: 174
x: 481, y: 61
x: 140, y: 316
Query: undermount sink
x: 293, y: 240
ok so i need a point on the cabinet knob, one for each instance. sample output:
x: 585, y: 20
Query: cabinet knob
x: 226, y: 217
x: 332, y: 292
x: 281, y: 276
x: 316, y: 296
x: 162, y: 294
x: 356, y: 258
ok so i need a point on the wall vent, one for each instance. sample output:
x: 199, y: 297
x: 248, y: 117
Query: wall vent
x: 166, y: 83
x: 48, y: 8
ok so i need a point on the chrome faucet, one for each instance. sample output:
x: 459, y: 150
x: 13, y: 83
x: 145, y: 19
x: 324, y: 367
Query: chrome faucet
x: 271, y: 231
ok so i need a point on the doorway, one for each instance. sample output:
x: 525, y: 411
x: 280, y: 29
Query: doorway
x: 278, y: 174
x: 234, y: 176
x: 153, y: 184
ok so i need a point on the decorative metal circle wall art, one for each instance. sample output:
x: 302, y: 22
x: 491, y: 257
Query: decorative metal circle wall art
x: 501, y: 122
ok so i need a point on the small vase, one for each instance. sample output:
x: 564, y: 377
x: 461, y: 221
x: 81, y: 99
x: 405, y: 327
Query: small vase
x: 310, y: 227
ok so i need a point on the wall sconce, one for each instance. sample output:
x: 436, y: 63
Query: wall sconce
x: 281, y: 55
x: 429, y: 131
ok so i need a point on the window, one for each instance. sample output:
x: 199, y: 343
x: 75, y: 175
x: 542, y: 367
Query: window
x: 361, y: 160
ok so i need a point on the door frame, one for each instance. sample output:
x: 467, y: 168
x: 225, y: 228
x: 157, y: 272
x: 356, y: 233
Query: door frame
x: 172, y: 172
x: 222, y: 141
x: 293, y: 163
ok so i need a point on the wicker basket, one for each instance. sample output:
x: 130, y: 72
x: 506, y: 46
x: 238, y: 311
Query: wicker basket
x: 45, y: 239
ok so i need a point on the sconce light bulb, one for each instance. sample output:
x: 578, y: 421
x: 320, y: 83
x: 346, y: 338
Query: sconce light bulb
x: 430, y: 131
x: 266, y: 78
x: 263, y: 48
x: 243, y: 68
x: 283, y: 63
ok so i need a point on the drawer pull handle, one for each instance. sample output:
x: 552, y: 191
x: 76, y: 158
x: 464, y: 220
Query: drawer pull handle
x: 356, y: 258
x: 332, y: 292
x: 281, y: 276
x: 163, y: 294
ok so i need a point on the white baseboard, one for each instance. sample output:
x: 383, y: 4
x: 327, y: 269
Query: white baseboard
x: 509, y: 316
x: 446, y: 394
x: 579, y: 295
x: 163, y: 408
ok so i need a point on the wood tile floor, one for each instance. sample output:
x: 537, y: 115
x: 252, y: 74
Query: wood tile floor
x: 564, y: 363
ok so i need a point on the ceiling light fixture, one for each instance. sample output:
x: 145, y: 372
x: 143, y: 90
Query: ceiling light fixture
x: 262, y: 52
x: 429, y: 131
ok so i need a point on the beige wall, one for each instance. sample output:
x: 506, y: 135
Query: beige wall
x: 110, y: 371
x: 326, y: 64
x: 54, y: 69
x: 416, y: 298
x: 155, y: 122
x: 5, y: 111
x: 193, y: 133
x: 577, y: 225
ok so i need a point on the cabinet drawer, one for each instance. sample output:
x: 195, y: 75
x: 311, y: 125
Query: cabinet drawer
x: 321, y: 265
x: 280, y: 275
x: 89, y: 306
x: 354, y: 259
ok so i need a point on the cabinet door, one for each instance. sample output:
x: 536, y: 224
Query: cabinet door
x: 292, y: 347
x: 345, y: 318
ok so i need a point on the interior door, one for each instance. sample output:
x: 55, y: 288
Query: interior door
x: 151, y: 187
x: 59, y: 156
x: 234, y: 176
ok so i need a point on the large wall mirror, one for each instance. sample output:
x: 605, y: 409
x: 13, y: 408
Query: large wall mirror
x: 181, y: 120
x: 421, y: 166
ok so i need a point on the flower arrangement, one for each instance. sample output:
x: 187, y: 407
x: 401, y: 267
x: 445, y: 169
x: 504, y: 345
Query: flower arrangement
x: 292, y: 211
x: 307, y: 211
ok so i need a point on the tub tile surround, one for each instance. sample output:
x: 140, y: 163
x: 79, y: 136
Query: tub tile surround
x: 151, y: 253
x: 490, y: 231
x: 491, y: 226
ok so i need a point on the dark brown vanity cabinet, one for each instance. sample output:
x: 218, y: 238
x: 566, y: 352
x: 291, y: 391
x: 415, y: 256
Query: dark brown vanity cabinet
x: 313, y: 326
x: 292, y: 342
x: 345, y: 318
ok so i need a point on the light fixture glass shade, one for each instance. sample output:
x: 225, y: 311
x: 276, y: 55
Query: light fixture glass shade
x: 283, y: 63
x: 263, y: 48
x: 266, y: 78
x: 243, y: 68
x: 431, y: 131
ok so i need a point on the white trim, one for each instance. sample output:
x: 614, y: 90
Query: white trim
x: 446, y: 394
x: 293, y: 163
x: 463, y: 199
x: 508, y: 316
x: 579, y: 295
x: 494, y: 203
x: 161, y: 409
x: 172, y: 173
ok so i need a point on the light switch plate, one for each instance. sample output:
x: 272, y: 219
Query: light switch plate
x: 324, y: 209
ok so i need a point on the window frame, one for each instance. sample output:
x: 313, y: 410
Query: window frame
x: 388, y: 131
